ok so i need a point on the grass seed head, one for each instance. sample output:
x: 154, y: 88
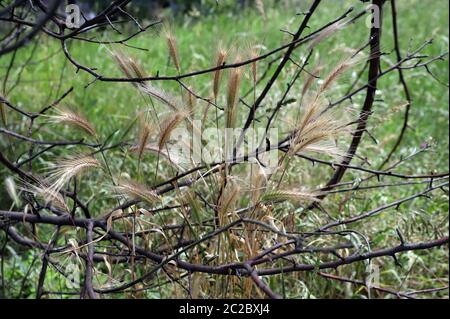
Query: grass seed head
x: 289, y: 196
x: 168, y: 125
x: 3, y: 114
x: 144, y: 136
x: 318, y: 129
x: 234, y: 85
x: 135, y: 190
x: 173, y: 52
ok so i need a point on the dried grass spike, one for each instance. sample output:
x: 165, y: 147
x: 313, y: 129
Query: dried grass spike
x: 259, y: 5
x: 144, y: 136
x: 191, y: 100
x: 163, y: 97
x: 50, y: 197
x: 334, y: 75
x: 310, y: 79
x: 220, y: 60
x: 290, y: 196
x: 137, y: 68
x: 173, y: 52
x: 318, y: 131
x: 258, y: 181
x: 233, y: 96
x: 11, y: 189
x: 73, y: 118
x: 68, y: 168
x: 135, y: 190
x: 254, y: 53
x: 229, y: 197
x: 326, y: 33
x: 168, y: 126
x: 122, y: 62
